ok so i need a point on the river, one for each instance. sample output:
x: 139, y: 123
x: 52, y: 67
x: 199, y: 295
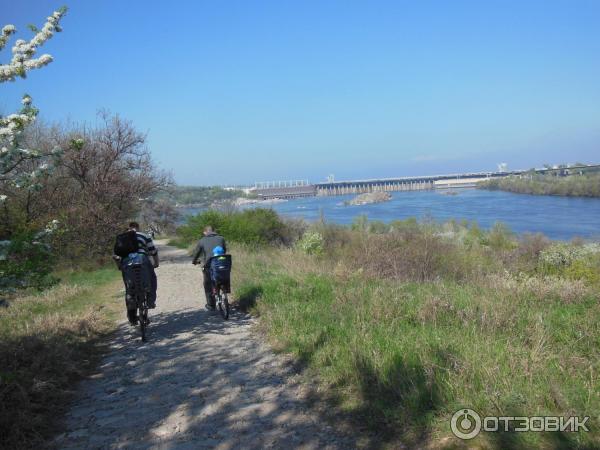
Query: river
x: 557, y: 217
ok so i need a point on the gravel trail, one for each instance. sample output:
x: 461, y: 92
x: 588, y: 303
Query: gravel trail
x: 199, y: 382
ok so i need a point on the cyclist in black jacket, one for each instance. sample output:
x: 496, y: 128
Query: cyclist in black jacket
x: 145, y: 247
x: 204, y: 251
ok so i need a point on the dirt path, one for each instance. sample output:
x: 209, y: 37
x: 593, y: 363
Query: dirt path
x: 199, y: 382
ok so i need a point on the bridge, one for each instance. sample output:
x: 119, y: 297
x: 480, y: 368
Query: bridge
x: 297, y: 189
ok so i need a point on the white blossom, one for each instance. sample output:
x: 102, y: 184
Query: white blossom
x: 13, y: 125
x: 23, y: 51
x: 6, y: 32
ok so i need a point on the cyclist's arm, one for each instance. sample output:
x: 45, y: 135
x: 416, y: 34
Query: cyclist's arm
x: 198, y: 252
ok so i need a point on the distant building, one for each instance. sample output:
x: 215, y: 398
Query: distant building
x: 503, y: 167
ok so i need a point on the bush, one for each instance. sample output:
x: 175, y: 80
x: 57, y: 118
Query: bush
x: 311, y: 243
x: 406, y: 225
x: 563, y: 255
x: 254, y: 227
x: 500, y: 237
x: 25, y: 261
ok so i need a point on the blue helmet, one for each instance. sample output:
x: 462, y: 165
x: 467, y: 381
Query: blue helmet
x: 218, y: 251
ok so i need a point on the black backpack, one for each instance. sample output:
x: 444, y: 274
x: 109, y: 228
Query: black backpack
x: 126, y: 243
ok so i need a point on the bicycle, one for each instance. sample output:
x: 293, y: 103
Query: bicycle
x: 141, y: 295
x: 138, y: 289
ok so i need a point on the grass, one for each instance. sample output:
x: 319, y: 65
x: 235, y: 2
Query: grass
x: 402, y: 353
x: 47, y: 342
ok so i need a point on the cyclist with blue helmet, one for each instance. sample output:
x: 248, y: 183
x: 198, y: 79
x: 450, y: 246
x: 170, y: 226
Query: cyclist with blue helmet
x: 203, y: 252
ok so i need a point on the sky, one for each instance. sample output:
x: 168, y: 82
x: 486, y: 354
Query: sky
x: 233, y: 92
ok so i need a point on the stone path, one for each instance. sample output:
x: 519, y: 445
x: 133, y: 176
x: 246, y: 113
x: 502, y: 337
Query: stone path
x: 199, y: 382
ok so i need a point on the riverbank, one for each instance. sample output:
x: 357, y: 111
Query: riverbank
x: 404, y: 328
x: 48, y: 341
x: 587, y: 185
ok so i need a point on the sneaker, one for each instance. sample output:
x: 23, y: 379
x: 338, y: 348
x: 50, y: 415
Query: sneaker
x: 209, y: 307
x: 151, y: 305
x: 133, y: 322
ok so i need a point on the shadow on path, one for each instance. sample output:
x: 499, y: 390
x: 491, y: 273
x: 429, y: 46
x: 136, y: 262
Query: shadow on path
x: 199, y: 382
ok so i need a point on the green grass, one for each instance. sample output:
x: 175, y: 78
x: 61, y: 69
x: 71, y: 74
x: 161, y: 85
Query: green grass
x: 179, y: 243
x: 402, y: 357
x: 48, y: 341
x: 89, y: 278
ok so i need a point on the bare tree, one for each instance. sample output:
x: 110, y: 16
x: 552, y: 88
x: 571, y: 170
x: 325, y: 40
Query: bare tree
x: 160, y: 216
x: 103, y: 178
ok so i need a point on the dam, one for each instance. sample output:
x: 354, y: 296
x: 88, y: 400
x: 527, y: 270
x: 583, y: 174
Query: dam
x: 302, y: 188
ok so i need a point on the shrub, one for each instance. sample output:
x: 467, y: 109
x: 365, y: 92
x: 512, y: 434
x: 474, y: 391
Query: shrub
x: 252, y: 227
x: 25, y: 261
x: 311, y: 243
x: 405, y: 225
x: 586, y: 270
x: 378, y: 227
x: 360, y: 223
x: 563, y: 255
x: 500, y: 237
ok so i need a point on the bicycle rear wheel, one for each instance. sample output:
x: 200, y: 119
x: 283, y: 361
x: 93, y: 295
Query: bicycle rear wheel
x: 223, y: 303
x: 143, y: 318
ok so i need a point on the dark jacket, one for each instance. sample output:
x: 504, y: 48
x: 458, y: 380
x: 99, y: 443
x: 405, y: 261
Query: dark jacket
x: 206, y: 245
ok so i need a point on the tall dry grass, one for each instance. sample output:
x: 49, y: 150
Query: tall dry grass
x: 47, y: 342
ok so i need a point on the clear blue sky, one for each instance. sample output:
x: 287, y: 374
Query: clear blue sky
x: 238, y: 91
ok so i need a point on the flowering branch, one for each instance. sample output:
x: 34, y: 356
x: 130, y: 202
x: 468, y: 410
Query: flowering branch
x: 12, y: 155
x: 23, y: 51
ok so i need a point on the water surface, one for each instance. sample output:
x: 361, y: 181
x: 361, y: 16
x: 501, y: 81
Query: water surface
x: 556, y: 217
